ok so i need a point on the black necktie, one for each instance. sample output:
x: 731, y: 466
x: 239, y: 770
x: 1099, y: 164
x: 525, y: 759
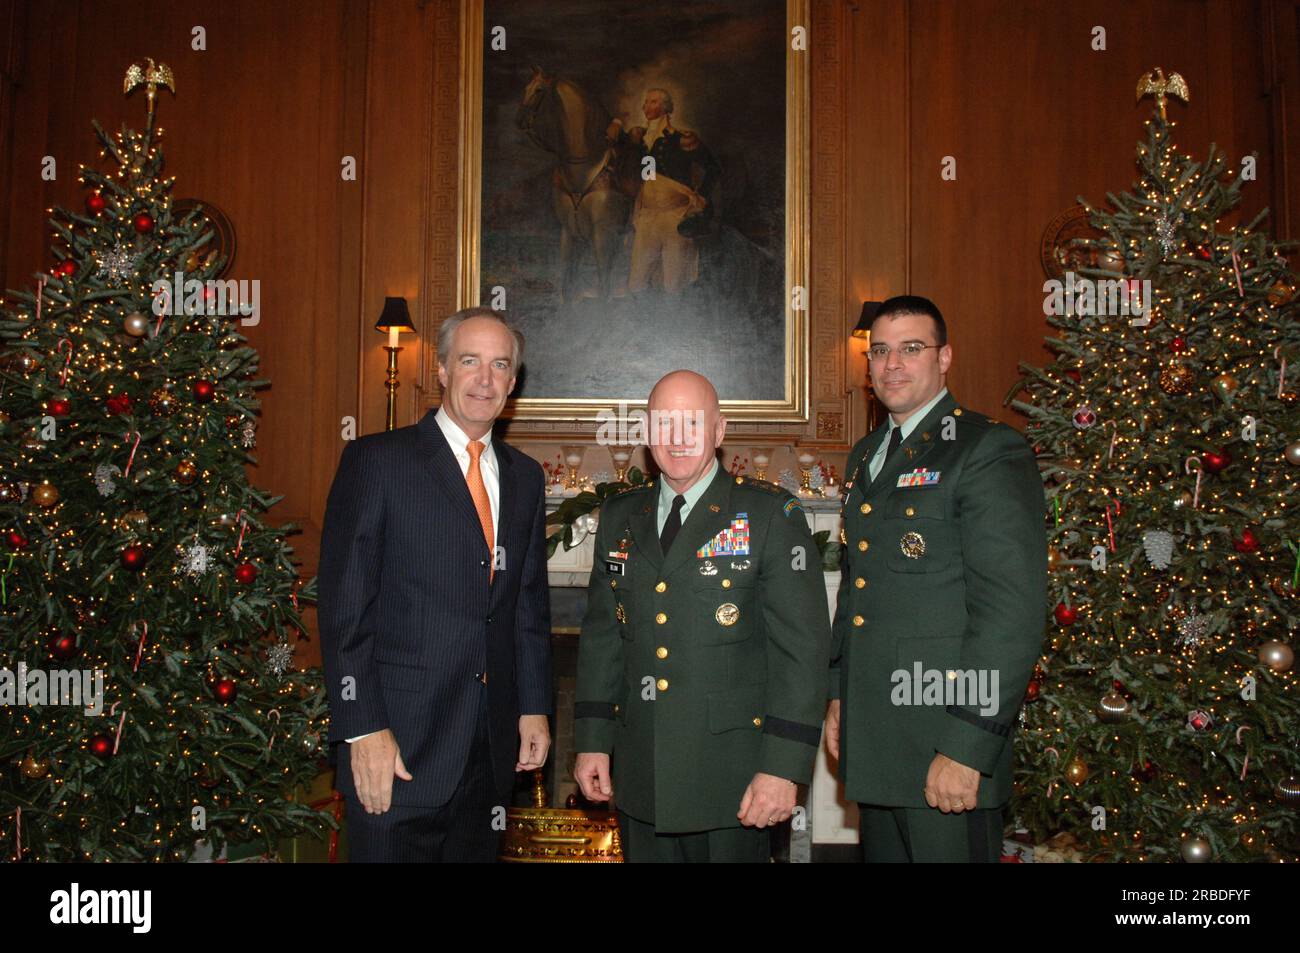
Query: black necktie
x: 672, y: 524
x: 895, y: 438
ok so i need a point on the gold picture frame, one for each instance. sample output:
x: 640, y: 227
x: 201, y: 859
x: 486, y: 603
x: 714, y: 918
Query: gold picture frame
x: 793, y: 406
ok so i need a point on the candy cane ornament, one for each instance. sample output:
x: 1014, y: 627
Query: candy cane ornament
x: 1194, y: 463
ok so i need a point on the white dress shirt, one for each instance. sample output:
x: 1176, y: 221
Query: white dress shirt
x: 458, y: 440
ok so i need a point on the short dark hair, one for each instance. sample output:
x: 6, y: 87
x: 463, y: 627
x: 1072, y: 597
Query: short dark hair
x: 914, y: 304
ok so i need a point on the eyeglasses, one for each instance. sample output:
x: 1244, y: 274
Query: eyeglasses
x: 909, y: 351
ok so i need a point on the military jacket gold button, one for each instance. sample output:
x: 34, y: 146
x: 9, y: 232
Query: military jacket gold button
x: 726, y: 584
x: 661, y: 586
x: 859, y: 582
x: 662, y: 684
x: 661, y: 652
x: 862, y: 545
x: 910, y: 511
x: 858, y: 620
x: 865, y: 508
x: 758, y: 722
x: 661, y: 618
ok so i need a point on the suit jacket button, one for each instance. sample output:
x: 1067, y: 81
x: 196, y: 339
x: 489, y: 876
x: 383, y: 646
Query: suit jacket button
x: 865, y: 508
x: 862, y: 545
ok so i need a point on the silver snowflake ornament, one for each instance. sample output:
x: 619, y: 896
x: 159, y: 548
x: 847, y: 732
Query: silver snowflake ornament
x: 1193, y: 631
x: 196, y: 559
x: 279, y: 657
x: 117, y: 264
x: 248, y: 434
x: 1165, y: 228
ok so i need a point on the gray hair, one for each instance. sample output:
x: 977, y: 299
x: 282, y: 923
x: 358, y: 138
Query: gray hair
x: 665, y: 96
x: 447, y: 331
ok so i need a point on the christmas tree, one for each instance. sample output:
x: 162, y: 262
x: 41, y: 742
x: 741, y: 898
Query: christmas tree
x: 134, y: 547
x: 1163, y: 721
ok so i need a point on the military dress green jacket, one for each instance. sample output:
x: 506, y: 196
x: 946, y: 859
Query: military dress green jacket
x: 944, y: 575
x: 702, y: 668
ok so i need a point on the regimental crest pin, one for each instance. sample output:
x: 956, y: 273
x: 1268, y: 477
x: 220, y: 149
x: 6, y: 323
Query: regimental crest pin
x: 912, y: 545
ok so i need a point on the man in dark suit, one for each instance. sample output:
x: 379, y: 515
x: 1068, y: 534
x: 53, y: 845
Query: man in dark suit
x: 941, y: 605
x: 435, y: 615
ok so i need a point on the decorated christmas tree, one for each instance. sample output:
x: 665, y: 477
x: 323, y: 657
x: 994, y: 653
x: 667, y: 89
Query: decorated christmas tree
x: 135, y: 556
x: 1164, y: 720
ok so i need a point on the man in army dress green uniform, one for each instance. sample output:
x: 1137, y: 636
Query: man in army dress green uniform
x: 940, y: 613
x: 703, y: 655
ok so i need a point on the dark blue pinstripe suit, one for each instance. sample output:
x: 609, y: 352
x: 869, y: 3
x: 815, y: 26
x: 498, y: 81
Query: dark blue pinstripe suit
x: 407, y: 611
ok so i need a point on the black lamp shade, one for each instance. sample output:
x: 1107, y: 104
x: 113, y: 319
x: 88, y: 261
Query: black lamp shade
x: 869, y: 309
x: 395, y: 316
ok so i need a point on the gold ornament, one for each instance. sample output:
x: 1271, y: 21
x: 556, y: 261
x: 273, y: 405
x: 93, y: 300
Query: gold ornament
x: 1288, y: 791
x: 135, y: 520
x: 4, y: 419
x: 1177, y: 379
x: 1053, y: 559
x: 185, y: 472
x: 45, y: 495
x: 34, y: 768
x: 1196, y: 850
x: 26, y: 362
x: 1155, y: 84
x: 1225, y: 386
x: 1293, y: 454
x: 1289, y: 398
x: 1183, y: 500
x: 151, y: 76
x: 1280, y: 293
x: 1282, y: 587
x: 1114, y: 708
x: 1277, y: 655
x: 136, y: 324
x: 1076, y: 772
x: 162, y: 401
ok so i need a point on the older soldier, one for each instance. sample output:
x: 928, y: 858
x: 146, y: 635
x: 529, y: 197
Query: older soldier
x: 941, y: 605
x: 701, y: 666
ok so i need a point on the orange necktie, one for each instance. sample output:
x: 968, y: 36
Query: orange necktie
x: 474, y: 477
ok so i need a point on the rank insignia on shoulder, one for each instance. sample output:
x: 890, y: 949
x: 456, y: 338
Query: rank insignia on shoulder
x: 918, y: 477
x: 732, y: 541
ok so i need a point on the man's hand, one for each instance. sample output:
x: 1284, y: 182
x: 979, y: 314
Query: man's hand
x: 767, y: 800
x: 951, y: 786
x: 833, y: 728
x: 534, y: 742
x: 375, y: 759
x: 592, y: 774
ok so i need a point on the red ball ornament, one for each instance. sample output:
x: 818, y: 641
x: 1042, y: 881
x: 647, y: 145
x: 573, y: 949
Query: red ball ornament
x: 204, y: 391
x: 1074, y: 375
x: 225, y: 690
x: 1065, y: 615
x: 246, y: 574
x: 118, y: 404
x: 1247, y: 543
x: 64, y: 269
x: 1203, y: 252
x: 63, y: 647
x: 1178, y: 345
x: 133, y: 557
x: 1215, y: 462
x: 1117, y: 685
x: 1031, y: 690
x: 143, y: 223
x: 59, y: 407
x: 95, y: 203
x: 101, y: 746
x: 1146, y: 772
x: 16, y: 540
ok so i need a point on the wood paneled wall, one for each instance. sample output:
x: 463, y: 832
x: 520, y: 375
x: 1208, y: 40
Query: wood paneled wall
x: 1013, y: 91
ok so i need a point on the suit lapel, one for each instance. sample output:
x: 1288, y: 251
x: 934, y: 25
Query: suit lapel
x: 709, y: 516
x: 441, y: 462
x: 644, y: 527
x: 912, y: 450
